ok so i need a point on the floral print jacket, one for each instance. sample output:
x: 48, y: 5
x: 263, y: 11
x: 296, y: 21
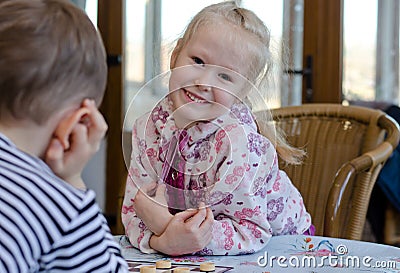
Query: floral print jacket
x: 227, y: 165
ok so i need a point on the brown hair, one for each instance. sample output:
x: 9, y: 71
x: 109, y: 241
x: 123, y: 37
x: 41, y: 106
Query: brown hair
x: 260, y: 62
x: 50, y: 56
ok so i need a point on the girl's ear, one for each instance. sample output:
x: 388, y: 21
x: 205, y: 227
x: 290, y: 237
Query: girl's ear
x: 174, y: 54
x: 67, y: 124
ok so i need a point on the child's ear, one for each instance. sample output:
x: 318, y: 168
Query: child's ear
x: 67, y: 124
x: 174, y: 54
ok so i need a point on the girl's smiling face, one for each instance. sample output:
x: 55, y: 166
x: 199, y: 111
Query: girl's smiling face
x: 206, y: 77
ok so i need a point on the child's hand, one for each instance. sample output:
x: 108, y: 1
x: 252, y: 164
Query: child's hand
x: 153, y: 211
x: 188, y: 231
x: 67, y: 156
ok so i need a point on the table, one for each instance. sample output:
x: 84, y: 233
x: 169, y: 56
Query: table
x: 294, y: 253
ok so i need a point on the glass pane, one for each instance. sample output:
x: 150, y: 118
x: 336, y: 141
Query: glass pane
x: 90, y: 7
x: 271, y: 12
x: 284, y: 18
x: 135, y: 11
x: 293, y: 32
x: 134, y: 51
x: 91, y: 10
x: 387, y: 52
x: 359, y: 50
x: 371, y: 52
x: 79, y: 3
x: 182, y: 12
x: 95, y: 179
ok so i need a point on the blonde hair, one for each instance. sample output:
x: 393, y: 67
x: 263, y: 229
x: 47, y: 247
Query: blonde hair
x: 51, y: 56
x: 260, y: 63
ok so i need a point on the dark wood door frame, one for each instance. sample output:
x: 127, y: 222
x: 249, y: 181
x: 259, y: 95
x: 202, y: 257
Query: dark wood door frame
x: 323, y: 28
x: 110, y: 22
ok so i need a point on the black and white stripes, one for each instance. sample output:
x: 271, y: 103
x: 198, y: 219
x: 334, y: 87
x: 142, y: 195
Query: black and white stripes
x: 46, y: 225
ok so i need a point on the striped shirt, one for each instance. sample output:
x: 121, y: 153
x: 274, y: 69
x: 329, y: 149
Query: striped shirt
x: 46, y: 225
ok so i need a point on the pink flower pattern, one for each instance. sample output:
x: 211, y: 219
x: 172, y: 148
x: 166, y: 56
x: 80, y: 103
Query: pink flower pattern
x: 228, y: 235
x: 247, y: 213
x: 275, y: 207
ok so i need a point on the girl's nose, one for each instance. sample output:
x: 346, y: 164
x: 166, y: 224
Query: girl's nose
x: 202, y: 86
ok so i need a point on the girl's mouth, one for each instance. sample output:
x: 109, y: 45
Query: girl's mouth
x: 194, y: 98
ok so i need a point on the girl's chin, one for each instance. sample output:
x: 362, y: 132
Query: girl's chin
x: 185, y: 119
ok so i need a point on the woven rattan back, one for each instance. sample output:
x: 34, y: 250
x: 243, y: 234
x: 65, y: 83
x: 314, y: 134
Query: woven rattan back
x: 346, y: 147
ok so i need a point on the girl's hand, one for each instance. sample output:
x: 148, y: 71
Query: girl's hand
x: 68, y: 156
x: 188, y: 232
x: 152, y: 210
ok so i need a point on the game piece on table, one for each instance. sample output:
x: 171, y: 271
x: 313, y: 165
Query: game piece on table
x: 207, y: 267
x: 182, y: 270
x: 135, y: 265
x: 163, y: 264
x: 148, y: 269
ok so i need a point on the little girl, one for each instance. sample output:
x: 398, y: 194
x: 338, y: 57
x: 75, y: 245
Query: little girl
x: 202, y: 178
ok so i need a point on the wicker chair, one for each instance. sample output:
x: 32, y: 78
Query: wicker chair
x: 346, y: 148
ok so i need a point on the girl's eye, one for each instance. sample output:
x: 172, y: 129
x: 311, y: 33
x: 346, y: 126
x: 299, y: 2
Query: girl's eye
x: 225, y: 77
x: 197, y: 60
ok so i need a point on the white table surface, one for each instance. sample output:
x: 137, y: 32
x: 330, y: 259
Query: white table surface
x: 294, y: 253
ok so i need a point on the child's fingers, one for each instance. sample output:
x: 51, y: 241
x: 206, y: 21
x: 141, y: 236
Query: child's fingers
x: 209, y: 220
x: 55, y: 155
x: 205, y: 228
x: 96, y: 122
x: 198, y: 216
x: 186, y: 215
x: 64, y: 130
x: 78, y: 137
x: 204, y: 219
